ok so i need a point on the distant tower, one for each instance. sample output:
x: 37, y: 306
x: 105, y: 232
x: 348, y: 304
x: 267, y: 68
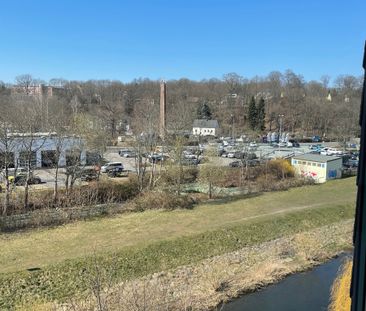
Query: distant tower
x: 162, y: 108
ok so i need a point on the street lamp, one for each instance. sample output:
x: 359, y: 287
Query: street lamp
x: 281, y: 119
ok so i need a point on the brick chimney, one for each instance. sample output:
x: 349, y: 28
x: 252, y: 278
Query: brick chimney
x: 162, y: 108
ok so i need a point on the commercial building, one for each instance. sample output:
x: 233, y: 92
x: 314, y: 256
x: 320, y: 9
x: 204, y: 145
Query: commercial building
x: 319, y: 167
x: 42, y: 150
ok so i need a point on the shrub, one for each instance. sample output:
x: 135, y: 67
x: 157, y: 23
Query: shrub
x: 270, y: 183
x: 281, y: 168
x: 94, y: 193
x: 170, y: 176
x: 160, y: 200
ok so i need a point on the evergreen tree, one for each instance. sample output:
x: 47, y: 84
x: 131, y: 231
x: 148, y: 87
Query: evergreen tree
x: 252, y: 114
x: 261, y: 115
x: 204, y: 112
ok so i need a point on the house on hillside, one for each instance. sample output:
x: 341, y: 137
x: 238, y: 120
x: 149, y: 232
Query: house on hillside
x: 319, y: 167
x: 203, y: 127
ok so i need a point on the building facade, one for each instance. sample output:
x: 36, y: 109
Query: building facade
x: 318, y: 167
x: 202, y: 127
x: 42, y: 149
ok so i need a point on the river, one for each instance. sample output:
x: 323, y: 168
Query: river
x: 307, y: 291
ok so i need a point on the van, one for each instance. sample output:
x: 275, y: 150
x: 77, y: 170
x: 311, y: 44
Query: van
x: 111, y: 165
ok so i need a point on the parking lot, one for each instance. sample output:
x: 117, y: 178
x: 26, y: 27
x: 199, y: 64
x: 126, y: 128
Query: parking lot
x: 262, y: 151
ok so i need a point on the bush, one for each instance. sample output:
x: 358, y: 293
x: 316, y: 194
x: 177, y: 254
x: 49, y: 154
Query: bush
x: 270, y: 183
x: 170, y: 176
x: 281, y: 168
x: 160, y: 200
x: 94, y: 193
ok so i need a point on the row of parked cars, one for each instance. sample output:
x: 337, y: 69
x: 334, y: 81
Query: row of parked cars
x: 189, y: 157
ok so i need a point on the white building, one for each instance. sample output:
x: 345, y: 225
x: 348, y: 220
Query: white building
x: 43, y: 148
x: 319, y: 167
x: 203, y: 127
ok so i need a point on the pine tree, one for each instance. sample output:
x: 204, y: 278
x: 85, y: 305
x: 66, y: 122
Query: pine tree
x: 204, y: 112
x: 261, y: 115
x: 252, y: 114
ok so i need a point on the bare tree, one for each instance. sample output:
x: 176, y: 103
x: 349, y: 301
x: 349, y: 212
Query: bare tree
x: 8, y: 146
x: 29, y: 121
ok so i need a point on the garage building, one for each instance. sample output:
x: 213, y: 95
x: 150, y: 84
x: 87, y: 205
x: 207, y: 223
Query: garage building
x: 43, y: 148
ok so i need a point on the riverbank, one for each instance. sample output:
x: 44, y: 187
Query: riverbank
x: 63, y: 263
x: 211, y: 282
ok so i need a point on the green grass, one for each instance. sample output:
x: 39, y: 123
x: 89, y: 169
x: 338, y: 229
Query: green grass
x: 136, y: 244
x: 42, y: 247
x: 72, y: 277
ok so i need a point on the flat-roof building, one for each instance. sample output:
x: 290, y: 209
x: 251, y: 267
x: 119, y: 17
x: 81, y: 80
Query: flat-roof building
x: 319, y: 167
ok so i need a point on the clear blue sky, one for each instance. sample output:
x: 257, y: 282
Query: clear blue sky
x: 111, y: 39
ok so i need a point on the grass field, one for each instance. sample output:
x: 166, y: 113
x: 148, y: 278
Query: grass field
x: 137, y: 244
x: 38, y: 248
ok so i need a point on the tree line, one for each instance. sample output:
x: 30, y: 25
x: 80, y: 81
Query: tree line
x: 308, y: 108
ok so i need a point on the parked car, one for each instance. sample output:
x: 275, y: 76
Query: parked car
x: 330, y: 151
x: 351, y: 164
x: 111, y: 165
x: 121, y: 152
x: 316, y: 139
x: 293, y: 143
x: 20, y: 180
x: 251, y: 162
x: 114, y: 171
x: 186, y: 161
x: 89, y: 174
x: 128, y: 154
x: 19, y: 171
x: 316, y: 147
x: 236, y: 164
x: 157, y: 157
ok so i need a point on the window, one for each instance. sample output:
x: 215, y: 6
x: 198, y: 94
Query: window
x: 313, y: 164
x: 323, y: 165
x: 318, y: 165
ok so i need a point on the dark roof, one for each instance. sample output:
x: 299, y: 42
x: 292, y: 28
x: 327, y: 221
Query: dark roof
x: 316, y: 157
x: 205, y: 123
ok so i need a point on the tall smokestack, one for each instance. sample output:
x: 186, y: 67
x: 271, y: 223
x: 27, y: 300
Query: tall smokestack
x: 162, y: 108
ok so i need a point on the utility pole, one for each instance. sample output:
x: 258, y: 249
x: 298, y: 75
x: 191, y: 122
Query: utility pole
x: 280, y: 132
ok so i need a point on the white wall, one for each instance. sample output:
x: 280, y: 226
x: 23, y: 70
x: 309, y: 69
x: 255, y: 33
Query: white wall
x: 204, y: 131
x: 49, y: 144
x: 317, y: 171
x: 320, y: 172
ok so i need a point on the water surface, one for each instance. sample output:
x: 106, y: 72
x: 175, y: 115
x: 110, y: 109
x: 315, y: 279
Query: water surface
x: 307, y: 291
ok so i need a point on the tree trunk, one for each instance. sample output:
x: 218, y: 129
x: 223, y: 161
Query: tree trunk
x: 26, y: 186
x: 67, y: 184
x: 55, y: 187
x: 7, y: 191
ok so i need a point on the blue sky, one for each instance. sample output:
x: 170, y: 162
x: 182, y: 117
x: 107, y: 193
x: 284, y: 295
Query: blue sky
x: 110, y: 39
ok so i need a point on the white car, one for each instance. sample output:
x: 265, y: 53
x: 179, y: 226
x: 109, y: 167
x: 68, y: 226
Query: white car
x: 231, y: 155
x: 253, y: 144
x: 111, y: 165
x: 330, y: 151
